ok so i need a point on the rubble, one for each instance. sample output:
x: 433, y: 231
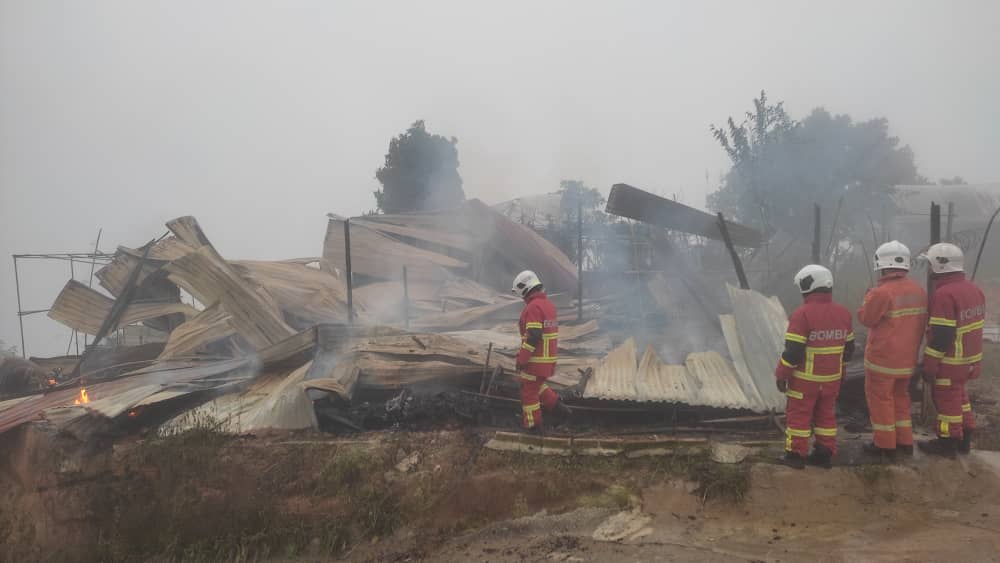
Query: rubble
x: 251, y: 345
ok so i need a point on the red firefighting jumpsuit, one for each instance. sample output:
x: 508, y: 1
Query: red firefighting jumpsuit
x: 536, y: 361
x: 818, y: 341
x: 954, y: 350
x: 895, y: 311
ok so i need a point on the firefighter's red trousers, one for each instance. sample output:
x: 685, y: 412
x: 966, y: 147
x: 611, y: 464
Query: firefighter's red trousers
x: 952, y: 402
x: 535, y: 395
x: 889, y: 407
x: 811, y: 406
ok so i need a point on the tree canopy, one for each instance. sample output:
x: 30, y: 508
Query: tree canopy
x: 420, y: 173
x: 781, y: 167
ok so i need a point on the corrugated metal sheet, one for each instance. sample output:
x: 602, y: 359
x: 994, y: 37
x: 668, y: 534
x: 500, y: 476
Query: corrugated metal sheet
x: 760, y: 323
x: 84, y: 309
x: 111, y: 393
x: 273, y: 401
x: 754, y: 336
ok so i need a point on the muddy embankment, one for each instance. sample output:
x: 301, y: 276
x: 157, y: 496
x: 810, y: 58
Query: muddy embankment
x: 439, y: 496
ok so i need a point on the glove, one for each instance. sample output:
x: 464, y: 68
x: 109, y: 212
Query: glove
x: 782, y: 385
x: 976, y: 371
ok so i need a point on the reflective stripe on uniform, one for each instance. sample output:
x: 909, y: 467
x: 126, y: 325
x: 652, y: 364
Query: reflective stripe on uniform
x: 816, y: 378
x: 527, y: 376
x: 945, y: 422
x: 942, y: 382
x: 928, y: 351
x: 528, y: 347
x: 533, y: 325
x: 941, y: 321
x: 883, y: 427
x: 795, y: 337
x: 786, y: 364
x: 828, y: 432
x: 966, y: 407
x: 968, y: 360
x: 850, y: 337
x: 798, y: 432
x: 904, y: 423
x: 888, y: 371
x: 909, y: 312
x: 794, y: 394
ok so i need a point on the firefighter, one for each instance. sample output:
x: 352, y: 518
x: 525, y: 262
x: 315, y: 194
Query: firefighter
x: 818, y: 343
x: 895, y: 312
x: 954, y: 350
x: 536, y: 360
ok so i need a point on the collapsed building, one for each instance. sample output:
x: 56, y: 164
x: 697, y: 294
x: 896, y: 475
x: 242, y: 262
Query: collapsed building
x: 400, y: 309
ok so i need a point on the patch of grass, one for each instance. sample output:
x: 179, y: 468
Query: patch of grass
x: 722, y: 481
x: 616, y: 497
x: 348, y: 467
x: 872, y: 474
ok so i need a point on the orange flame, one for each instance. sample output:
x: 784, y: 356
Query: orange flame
x: 83, y: 399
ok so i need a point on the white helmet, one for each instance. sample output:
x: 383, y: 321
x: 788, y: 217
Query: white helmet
x: 813, y: 277
x: 945, y: 258
x: 892, y: 255
x: 525, y: 282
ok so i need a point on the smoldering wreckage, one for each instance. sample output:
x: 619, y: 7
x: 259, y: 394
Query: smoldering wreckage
x: 421, y: 333
x: 405, y: 321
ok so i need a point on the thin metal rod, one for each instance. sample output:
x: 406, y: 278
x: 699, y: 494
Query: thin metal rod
x: 93, y: 262
x: 348, y: 273
x: 20, y: 317
x: 97, y: 249
x: 982, y: 244
x: 833, y: 225
x: 737, y: 263
x: 579, y: 254
x: 74, y: 336
x: 927, y: 406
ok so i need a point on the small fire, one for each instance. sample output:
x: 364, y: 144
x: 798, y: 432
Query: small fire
x: 52, y: 382
x: 83, y: 399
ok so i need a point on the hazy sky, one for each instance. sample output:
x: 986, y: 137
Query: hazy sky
x: 260, y: 117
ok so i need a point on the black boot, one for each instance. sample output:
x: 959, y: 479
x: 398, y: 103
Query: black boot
x: 820, y: 457
x: 905, y: 450
x: 944, y: 447
x: 794, y: 460
x: 881, y: 454
x: 965, y: 446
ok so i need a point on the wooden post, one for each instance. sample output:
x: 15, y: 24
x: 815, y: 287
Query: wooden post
x: 93, y: 264
x: 926, y: 404
x: 817, y: 233
x: 406, y: 300
x: 347, y: 271
x: 579, y: 256
x: 20, y: 317
x: 740, y: 274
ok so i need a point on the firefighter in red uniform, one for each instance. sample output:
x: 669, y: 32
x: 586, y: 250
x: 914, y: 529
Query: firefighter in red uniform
x: 954, y: 350
x: 536, y: 360
x: 818, y: 343
x: 895, y: 311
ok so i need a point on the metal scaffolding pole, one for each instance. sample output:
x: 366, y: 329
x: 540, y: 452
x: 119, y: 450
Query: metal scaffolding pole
x: 20, y: 318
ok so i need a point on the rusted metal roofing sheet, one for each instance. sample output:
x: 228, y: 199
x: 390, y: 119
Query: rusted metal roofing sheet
x: 117, y: 392
x: 627, y: 201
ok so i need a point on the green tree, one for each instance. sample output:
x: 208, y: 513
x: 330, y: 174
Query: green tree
x: 781, y: 167
x: 420, y: 173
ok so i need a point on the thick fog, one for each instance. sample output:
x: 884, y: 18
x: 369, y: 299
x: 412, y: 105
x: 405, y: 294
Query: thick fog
x: 260, y: 117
